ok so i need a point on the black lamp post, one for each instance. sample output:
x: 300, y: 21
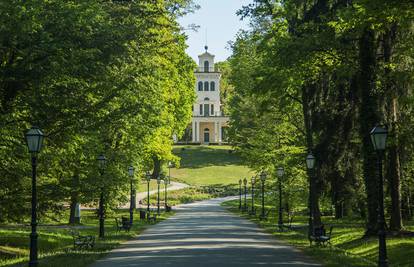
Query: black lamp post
x: 310, y: 164
x: 166, y: 182
x: 132, y: 201
x: 170, y: 165
x: 379, y: 141
x: 280, y: 174
x: 148, y: 177
x: 245, y: 194
x: 102, y: 162
x: 34, y: 139
x: 158, y: 195
x: 240, y: 194
x: 253, y: 181
x: 263, y: 180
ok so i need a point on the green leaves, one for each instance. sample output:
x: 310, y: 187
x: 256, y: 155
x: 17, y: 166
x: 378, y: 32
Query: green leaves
x: 97, y: 77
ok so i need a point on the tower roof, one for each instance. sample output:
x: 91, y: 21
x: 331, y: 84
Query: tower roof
x: 206, y: 53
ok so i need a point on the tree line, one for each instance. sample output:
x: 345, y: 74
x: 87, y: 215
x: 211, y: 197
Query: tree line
x: 108, y: 77
x: 316, y: 76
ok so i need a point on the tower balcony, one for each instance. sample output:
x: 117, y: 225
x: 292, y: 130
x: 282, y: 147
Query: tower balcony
x: 207, y: 70
x: 216, y: 114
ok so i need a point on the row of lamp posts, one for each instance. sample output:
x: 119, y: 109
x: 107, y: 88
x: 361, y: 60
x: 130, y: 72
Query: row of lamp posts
x: 378, y: 138
x: 34, y: 140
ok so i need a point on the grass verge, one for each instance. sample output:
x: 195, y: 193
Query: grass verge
x: 194, y: 193
x: 56, y: 244
x: 349, y: 248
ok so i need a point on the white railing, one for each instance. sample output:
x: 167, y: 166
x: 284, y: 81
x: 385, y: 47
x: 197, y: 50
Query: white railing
x: 211, y: 69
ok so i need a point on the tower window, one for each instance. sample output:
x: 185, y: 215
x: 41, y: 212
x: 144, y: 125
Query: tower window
x: 212, y: 109
x: 201, y: 109
x: 206, y: 86
x: 212, y: 86
x: 200, y: 86
x: 206, y: 66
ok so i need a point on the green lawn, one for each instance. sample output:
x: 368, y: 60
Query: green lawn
x: 55, y: 242
x: 349, y: 248
x: 143, y: 186
x: 207, y: 165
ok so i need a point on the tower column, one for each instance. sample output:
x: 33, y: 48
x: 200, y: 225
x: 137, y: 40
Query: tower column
x: 193, y: 131
x: 219, y: 129
x: 198, y: 131
x: 216, y: 132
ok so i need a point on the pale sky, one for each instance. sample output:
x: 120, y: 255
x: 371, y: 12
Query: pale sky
x: 219, y: 18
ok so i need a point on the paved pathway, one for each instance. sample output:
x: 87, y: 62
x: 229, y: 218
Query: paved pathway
x: 173, y: 186
x: 204, y: 234
x: 143, y: 195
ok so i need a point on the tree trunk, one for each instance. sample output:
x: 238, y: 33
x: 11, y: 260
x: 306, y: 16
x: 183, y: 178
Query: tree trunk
x: 309, y: 143
x: 74, y: 197
x: 157, y: 167
x: 393, y: 170
x: 368, y: 118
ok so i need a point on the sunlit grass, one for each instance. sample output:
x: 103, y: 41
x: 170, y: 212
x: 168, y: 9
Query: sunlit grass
x: 349, y: 247
x: 143, y: 186
x: 56, y: 243
x: 206, y: 165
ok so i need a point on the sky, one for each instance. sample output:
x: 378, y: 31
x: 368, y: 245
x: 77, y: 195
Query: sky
x: 219, y: 19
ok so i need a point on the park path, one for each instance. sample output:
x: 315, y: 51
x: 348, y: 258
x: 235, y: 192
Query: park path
x: 204, y: 234
x: 143, y: 195
x: 172, y: 187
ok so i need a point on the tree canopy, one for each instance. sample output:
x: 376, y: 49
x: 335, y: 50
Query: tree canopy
x: 107, y: 77
x: 316, y: 76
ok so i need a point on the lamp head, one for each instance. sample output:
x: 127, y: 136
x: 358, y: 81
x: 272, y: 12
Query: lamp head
x: 34, y: 139
x: 101, y: 161
x: 148, y: 176
x: 379, y: 137
x: 263, y: 176
x: 131, y: 171
x: 280, y: 171
x: 310, y: 161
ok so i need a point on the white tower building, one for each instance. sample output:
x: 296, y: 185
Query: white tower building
x: 208, y: 120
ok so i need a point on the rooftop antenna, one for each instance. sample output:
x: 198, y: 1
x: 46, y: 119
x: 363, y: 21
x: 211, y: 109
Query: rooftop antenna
x: 206, y: 46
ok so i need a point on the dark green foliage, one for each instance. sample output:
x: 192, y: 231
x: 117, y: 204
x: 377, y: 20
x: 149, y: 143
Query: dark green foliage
x: 318, y: 76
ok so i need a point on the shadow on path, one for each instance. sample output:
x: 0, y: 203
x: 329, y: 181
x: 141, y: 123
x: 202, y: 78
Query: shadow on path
x: 204, y: 234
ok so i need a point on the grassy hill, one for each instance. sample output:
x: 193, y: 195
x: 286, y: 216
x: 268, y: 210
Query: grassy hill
x: 206, y: 165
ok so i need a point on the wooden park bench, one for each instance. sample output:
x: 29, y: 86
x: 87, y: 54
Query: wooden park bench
x: 320, y: 237
x: 252, y: 212
x: 123, y: 224
x: 152, y: 217
x: 82, y: 241
x: 266, y: 215
x: 289, y: 226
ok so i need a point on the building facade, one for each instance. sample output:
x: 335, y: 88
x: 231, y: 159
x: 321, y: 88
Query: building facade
x: 208, y: 123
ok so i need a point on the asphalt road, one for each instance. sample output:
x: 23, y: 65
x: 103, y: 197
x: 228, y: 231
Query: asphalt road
x: 204, y: 234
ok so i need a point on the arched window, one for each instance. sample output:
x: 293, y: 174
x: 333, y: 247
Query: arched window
x: 212, y: 86
x: 200, y: 86
x: 206, y: 86
x: 206, y: 99
x: 206, y: 66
